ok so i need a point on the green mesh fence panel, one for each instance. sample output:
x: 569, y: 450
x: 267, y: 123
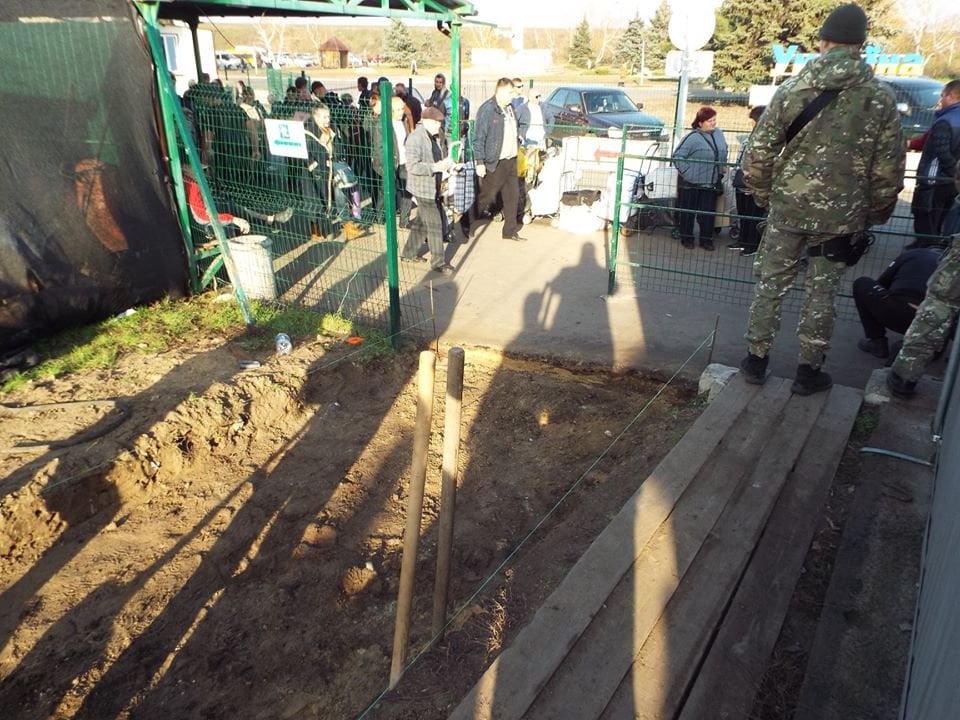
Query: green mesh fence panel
x: 320, y: 233
x: 650, y: 256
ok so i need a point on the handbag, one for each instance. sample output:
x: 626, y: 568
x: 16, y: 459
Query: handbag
x: 739, y: 181
x: 343, y: 175
x: 718, y: 183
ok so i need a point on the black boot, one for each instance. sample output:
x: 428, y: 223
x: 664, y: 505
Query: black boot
x: 754, y: 369
x: 899, y: 387
x: 811, y: 380
x: 875, y: 346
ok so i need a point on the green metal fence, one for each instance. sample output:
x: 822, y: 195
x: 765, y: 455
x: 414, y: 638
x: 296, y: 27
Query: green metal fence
x: 325, y: 230
x: 646, y: 253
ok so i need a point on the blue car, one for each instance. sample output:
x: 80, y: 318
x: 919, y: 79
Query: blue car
x: 596, y: 110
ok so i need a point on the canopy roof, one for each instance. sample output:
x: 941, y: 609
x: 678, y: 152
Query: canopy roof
x: 405, y: 9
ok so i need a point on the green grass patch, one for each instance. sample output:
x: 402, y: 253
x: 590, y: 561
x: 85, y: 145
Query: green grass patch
x: 171, y: 323
x: 863, y: 427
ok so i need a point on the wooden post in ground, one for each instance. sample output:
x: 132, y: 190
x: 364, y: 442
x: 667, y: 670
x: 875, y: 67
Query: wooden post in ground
x: 411, y: 535
x: 448, y: 488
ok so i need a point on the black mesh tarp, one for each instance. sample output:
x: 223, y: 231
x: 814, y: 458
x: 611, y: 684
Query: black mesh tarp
x: 86, y: 223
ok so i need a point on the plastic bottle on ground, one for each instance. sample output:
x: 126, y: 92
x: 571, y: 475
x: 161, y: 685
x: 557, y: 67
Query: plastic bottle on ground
x: 284, y: 346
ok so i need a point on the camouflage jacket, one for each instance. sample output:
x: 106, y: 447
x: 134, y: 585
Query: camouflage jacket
x: 842, y: 172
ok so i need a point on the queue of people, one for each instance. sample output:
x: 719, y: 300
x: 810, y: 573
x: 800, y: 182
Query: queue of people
x: 344, y: 163
x: 812, y: 177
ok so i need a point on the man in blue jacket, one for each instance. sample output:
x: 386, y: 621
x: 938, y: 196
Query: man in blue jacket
x: 496, y: 141
x: 935, y: 192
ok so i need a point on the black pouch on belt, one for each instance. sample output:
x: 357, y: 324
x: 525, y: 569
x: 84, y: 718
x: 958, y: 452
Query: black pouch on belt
x: 844, y: 248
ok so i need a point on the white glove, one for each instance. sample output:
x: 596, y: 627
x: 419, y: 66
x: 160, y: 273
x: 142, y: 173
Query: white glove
x: 481, y: 170
x: 242, y: 225
x: 442, y: 165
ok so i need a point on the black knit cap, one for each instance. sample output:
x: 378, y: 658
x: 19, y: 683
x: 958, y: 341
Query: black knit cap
x: 847, y: 25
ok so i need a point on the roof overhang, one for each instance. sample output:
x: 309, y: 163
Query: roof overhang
x: 434, y: 10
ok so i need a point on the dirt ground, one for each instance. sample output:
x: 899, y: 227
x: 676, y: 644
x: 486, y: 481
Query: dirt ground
x: 230, y: 547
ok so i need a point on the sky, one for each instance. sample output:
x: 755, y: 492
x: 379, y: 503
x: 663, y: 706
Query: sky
x: 543, y: 13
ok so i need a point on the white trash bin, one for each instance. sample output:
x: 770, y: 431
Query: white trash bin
x: 254, y: 264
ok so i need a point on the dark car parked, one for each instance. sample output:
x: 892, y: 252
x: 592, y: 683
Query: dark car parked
x: 596, y: 109
x: 917, y: 98
x: 706, y: 95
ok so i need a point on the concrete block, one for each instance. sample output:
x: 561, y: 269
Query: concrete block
x: 715, y: 378
x: 877, y: 393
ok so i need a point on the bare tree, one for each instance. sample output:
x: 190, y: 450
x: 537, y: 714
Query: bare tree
x: 932, y: 29
x: 270, y: 32
x: 604, y: 35
x: 316, y: 31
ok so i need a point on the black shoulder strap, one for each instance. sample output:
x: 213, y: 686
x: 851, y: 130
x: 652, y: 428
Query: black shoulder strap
x: 810, y: 112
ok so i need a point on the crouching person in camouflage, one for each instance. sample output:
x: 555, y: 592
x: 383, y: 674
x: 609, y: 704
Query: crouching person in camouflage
x: 928, y: 332
x: 827, y: 157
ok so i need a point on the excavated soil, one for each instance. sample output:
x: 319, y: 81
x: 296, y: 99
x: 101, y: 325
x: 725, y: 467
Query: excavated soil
x: 226, y: 543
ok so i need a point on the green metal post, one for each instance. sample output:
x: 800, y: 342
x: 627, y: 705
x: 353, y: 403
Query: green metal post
x: 615, y: 240
x: 390, y: 208
x: 173, y: 157
x: 455, y: 87
x: 166, y: 89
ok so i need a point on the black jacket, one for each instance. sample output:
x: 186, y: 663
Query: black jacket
x: 907, y: 276
x: 488, y: 134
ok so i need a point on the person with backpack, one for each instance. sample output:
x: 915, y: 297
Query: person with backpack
x: 827, y: 159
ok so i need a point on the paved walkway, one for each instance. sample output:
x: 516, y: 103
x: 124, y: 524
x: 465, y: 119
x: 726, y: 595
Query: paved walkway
x: 548, y: 296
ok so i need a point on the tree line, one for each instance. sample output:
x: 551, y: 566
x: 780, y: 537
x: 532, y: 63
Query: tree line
x: 745, y: 32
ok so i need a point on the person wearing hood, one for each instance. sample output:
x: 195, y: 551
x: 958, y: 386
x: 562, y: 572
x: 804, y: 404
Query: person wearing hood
x: 827, y: 159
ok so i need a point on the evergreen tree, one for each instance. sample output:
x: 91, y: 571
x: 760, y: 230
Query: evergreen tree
x: 581, y: 49
x: 742, y: 42
x: 659, y: 43
x: 399, y: 47
x: 630, y: 48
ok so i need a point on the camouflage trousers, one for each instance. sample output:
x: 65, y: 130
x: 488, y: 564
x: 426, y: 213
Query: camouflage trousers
x: 776, y: 269
x: 929, y: 328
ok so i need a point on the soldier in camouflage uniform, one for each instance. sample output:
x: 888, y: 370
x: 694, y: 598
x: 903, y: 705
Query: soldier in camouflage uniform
x: 928, y: 331
x: 839, y: 175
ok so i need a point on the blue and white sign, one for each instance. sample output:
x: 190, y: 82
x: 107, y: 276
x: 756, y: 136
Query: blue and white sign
x: 286, y: 138
x: 789, y: 60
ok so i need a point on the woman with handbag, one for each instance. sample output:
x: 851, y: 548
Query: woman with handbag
x: 701, y: 162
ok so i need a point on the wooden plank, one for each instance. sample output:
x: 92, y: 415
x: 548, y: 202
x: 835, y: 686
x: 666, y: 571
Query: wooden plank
x: 514, y: 679
x: 605, y: 651
x: 665, y: 665
x: 730, y: 675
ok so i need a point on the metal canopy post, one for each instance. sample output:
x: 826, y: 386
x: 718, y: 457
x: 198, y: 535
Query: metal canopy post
x: 390, y: 207
x: 168, y: 96
x: 455, y: 70
x: 149, y: 14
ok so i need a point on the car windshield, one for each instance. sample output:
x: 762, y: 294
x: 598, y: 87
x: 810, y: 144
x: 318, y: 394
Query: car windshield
x: 610, y: 101
x: 925, y: 97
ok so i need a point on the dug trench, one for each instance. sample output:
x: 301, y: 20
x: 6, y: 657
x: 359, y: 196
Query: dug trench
x: 232, y: 549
